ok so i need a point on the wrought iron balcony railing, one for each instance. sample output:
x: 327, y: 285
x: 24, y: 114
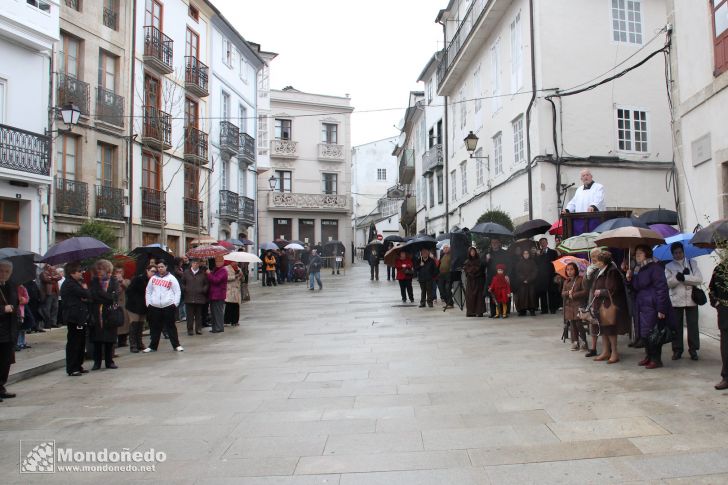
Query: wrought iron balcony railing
x: 466, y: 27
x: 111, y: 18
x: 407, y: 165
x: 193, y: 212
x: 109, y: 202
x: 322, y: 202
x: 157, y: 130
x: 247, y: 149
x: 432, y: 159
x: 284, y: 149
x: 158, y: 49
x: 229, y: 138
x: 196, y: 76
x: 24, y: 150
x: 195, y: 145
x: 228, y: 205
x: 152, y: 201
x: 331, y: 152
x: 109, y: 107
x: 73, y: 91
x: 71, y: 197
x: 246, y: 205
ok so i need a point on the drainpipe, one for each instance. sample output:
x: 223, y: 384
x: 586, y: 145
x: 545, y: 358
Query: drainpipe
x: 528, y: 111
x: 51, y: 188
x: 130, y: 141
x: 445, y: 156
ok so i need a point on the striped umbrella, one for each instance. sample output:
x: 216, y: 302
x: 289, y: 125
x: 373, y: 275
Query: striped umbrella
x: 203, y: 252
x: 583, y: 243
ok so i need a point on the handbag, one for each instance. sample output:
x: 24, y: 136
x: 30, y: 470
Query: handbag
x: 608, y: 314
x: 113, y: 315
x: 660, y: 335
x: 698, y: 295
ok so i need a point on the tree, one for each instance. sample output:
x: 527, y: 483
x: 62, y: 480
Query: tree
x: 494, y: 215
x: 99, y: 230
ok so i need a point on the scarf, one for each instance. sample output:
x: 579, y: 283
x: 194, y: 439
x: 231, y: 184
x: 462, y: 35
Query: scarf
x: 640, y: 266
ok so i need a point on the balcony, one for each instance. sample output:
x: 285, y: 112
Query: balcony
x: 246, y: 214
x: 308, y: 202
x: 229, y: 138
x: 195, y: 146
x: 158, y: 50
x: 111, y: 18
x: 109, y: 107
x: 409, y: 211
x: 407, y: 165
x: 432, y: 159
x: 247, y: 149
x: 193, y: 212
x: 24, y: 151
x: 71, y: 197
x: 73, y: 91
x: 399, y: 191
x: 228, y: 205
x: 109, y: 203
x: 330, y: 152
x: 152, y: 200
x: 74, y: 4
x: 196, y: 77
x: 283, y: 149
x: 157, y: 129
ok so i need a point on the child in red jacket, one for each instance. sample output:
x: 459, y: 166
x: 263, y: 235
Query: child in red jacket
x: 500, y: 290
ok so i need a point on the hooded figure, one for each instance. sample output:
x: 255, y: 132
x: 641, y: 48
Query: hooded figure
x: 475, y: 287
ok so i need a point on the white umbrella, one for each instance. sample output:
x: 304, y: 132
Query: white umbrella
x: 294, y: 246
x: 242, y: 257
x: 442, y: 243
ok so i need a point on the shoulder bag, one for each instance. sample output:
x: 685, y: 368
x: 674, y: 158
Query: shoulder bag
x: 607, y: 314
x: 113, y: 314
x: 697, y: 294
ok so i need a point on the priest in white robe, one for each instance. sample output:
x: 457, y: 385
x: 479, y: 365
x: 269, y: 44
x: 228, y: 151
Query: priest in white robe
x: 589, y: 197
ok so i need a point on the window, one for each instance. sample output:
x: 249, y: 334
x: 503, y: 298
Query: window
x: 283, y: 181
x: 329, y: 133
x: 3, y: 93
x: 477, y: 90
x: 224, y: 171
x: 242, y: 118
x: 453, y: 188
x: 66, y: 161
x: 479, y: 168
x: 243, y: 69
x: 720, y: 35
x: 242, y: 181
x: 495, y: 74
x: 328, y: 183
x: 192, y: 182
x: 151, y: 168
x: 110, y: 14
x: 430, y: 89
x: 518, y: 155
x: 632, y: 130
x: 381, y: 174
x: 262, y: 138
x: 73, y: 4
x: 42, y: 5
x: 516, y: 54
x: 463, y: 108
x: 193, y: 13
x: 227, y: 53
x: 225, y: 107
x: 283, y: 129
x: 105, y: 165
x: 192, y: 44
x: 464, y: 176
x: 627, y: 21
x: 497, y: 154
x: 153, y: 14
x: 107, y: 71
x: 440, y: 186
x: 431, y: 191
x: 151, y: 91
x: 70, y: 56
x: 191, y: 113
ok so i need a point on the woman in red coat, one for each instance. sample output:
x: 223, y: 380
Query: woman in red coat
x: 405, y: 272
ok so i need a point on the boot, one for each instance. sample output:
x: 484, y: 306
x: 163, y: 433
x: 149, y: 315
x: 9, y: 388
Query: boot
x: 504, y: 313
x: 135, y: 337
x: 497, y: 311
x: 122, y: 340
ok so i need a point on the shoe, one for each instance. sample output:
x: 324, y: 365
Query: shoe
x: 676, y: 355
x: 311, y: 289
x: 198, y: 332
x: 404, y: 300
x: 639, y: 344
x: 631, y: 344
x: 190, y: 333
x: 134, y: 351
x: 179, y: 348
x: 7, y: 395
x: 653, y: 365
x: 412, y: 301
x: 429, y: 304
x: 693, y: 355
x: 26, y: 346
x: 18, y: 348
x: 612, y: 361
x: 575, y: 346
x: 422, y: 305
x: 644, y: 361
x: 216, y: 331
x: 96, y: 367
x: 112, y: 366
x: 600, y: 358
x: 449, y: 307
x: 584, y: 347
x: 532, y: 313
x: 504, y: 316
x: 40, y: 330
x: 591, y: 353
x: 148, y: 349
x: 84, y: 371
x: 722, y: 385
x: 74, y: 374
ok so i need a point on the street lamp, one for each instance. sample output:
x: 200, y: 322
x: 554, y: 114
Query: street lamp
x: 70, y: 113
x: 272, y: 182
x: 471, y: 143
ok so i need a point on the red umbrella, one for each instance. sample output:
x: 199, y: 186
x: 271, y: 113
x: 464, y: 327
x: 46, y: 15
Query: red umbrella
x: 557, y: 228
x: 226, y: 245
x: 127, y: 263
x: 203, y: 252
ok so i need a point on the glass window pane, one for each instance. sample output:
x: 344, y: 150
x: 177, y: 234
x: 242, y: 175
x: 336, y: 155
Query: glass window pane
x: 721, y: 19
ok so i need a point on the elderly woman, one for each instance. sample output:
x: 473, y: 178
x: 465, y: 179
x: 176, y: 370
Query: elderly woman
x: 574, y: 294
x: 682, y: 276
x: 232, y: 295
x: 8, y: 325
x: 474, y: 270
x: 104, y: 290
x: 526, y: 275
x: 610, y: 306
x: 76, y: 297
x: 652, y: 306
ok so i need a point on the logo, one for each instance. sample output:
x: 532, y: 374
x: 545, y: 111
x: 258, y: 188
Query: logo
x: 37, y: 456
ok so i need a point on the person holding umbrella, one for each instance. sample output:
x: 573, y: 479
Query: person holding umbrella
x: 8, y: 325
x: 216, y: 293
x: 405, y: 273
x: 426, y: 274
x: 610, y: 306
x: 76, y: 299
x: 683, y: 275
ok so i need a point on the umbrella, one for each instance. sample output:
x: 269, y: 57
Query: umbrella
x: 629, y: 237
x: 561, y: 263
x: 521, y: 245
x: 75, y: 249
x: 375, y: 241
x: 531, y: 228
x: 227, y: 245
x: 442, y: 243
x: 127, y: 263
x: 143, y: 254
x: 393, y: 238
x: 421, y: 241
x: 281, y: 243
x: 242, y: 257
x: 664, y: 230
x: 619, y: 222
x: 203, y: 240
x: 659, y: 216
x: 393, y: 254
x: 330, y: 247
x: 578, y: 244
x: 241, y: 242
x: 715, y: 233
x: 557, y: 228
x: 663, y: 252
x: 491, y: 229
x: 296, y: 241
x: 24, y: 268
x: 442, y: 236
x: 294, y: 246
x: 269, y: 246
x: 203, y: 252
x: 374, y: 244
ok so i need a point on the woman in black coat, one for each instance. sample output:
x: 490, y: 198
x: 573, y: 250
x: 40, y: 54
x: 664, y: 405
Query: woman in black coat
x: 474, y: 270
x: 75, y: 316
x: 104, y: 288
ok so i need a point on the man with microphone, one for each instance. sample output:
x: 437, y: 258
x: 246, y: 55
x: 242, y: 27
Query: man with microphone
x: 589, y: 197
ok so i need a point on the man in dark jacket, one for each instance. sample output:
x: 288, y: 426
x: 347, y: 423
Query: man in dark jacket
x: 426, y: 273
x: 373, y: 263
x: 76, y: 298
x: 194, y: 289
x: 8, y: 325
x: 314, y: 270
x: 546, y: 289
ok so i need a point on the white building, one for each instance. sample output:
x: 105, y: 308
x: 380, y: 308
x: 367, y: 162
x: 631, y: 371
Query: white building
x: 492, y: 65
x: 310, y: 169
x: 411, y: 146
x: 28, y: 30
x: 374, y: 190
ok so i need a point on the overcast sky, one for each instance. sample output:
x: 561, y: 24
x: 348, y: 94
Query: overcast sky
x: 372, y: 50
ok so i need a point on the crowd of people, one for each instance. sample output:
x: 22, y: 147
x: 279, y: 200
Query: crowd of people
x: 282, y: 265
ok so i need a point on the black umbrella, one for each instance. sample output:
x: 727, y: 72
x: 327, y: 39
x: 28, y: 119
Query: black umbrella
x: 443, y: 236
x: 143, y: 254
x: 24, y: 268
x: 619, y: 222
x: 531, y: 228
x: 330, y: 247
x: 75, y: 249
x: 492, y: 229
x: 708, y: 237
x: 421, y: 241
x: 659, y: 216
x: 393, y: 238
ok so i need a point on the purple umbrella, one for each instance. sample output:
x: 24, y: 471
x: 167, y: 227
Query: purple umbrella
x: 664, y: 230
x: 75, y: 249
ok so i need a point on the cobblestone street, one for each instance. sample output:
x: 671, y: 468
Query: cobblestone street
x: 348, y: 386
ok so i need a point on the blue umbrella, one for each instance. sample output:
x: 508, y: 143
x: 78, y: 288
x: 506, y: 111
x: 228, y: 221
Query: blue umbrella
x: 618, y: 223
x: 269, y: 245
x: 75, y: 249
x: 662, y: 252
